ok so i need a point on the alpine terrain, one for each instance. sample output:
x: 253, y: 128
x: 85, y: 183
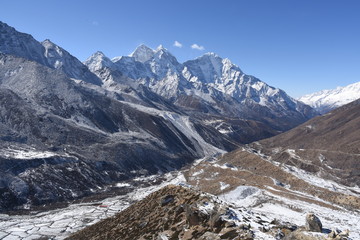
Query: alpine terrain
x: 168, y: 150
x: 327, y: 100
x: 70, y: 129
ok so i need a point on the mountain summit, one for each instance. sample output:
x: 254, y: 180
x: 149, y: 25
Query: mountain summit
x: 142, y: 53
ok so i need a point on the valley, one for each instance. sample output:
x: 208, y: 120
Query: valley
x: 89, y: 149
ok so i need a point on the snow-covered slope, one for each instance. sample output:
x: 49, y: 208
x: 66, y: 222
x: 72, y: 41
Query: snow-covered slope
x: 327, y: 100
x: 46, y: 53
x: 59, y: 58
x: 142, y: 53
x: 21, y: 44
x: 212, y: 71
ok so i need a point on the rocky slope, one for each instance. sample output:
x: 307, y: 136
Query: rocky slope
x: 175, y: 212
x: 61, y: 140
x: 46, y: 53
x: 327, y: 100
x: 258, y: 182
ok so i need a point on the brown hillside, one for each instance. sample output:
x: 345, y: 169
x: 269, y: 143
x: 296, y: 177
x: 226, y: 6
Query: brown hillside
x: 328, y: 145
x: 338, y: 130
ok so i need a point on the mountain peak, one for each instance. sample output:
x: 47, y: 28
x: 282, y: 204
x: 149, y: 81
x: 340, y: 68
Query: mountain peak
x: 47, y: 41
x: 142, y: 53
x: 4, y: 25
x: 211, y: 54
x: 98, y: 54
x: 98, y: 60
x: 160, y: 47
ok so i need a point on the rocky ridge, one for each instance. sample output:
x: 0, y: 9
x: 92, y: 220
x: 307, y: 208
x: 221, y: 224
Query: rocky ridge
x: 178, y: 212
x: 175, y: 212
x: 46, y: 53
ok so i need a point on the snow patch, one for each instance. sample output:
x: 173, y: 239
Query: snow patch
x: 226, y: 166
x: 198, y: 173
x: 223, y: 186
x: 317, y: 181
x: 26, y: 153
x: 122, y: 185
x: 242, y: 196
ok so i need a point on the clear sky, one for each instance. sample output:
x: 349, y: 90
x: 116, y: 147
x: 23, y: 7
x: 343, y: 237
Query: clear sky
x: 300, y: 46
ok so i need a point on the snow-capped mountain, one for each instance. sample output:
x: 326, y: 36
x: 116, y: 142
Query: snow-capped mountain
x: 59, y: 58
x: 63, y: 138
x: 142, y: 53
x: 212, y: 71
x: 21, y: 44
x: 46, y: 53
x: 326, y: 100
x: 208, y: 84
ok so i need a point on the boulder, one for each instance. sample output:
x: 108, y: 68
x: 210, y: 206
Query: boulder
x: 313, y: 223
x: 210, y: 236
x: 216, y: 222
x: 167, y: 199
x: 194, y: 216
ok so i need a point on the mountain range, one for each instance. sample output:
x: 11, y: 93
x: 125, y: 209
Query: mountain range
x: 208, y: 84
x: 70, y: 129
x: 327, y: 100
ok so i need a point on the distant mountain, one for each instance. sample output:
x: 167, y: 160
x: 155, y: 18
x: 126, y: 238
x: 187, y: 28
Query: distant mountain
x: 143, y: 53
x: 208, y: 84
x: 327, y: 100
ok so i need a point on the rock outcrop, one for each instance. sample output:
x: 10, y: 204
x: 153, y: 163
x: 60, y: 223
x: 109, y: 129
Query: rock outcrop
x: 313, y: 223
x: 337, y: 235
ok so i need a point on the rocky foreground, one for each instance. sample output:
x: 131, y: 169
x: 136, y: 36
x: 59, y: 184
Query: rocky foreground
x: 177, y: 212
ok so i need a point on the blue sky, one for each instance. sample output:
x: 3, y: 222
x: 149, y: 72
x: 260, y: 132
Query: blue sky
x: 298, y: 46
